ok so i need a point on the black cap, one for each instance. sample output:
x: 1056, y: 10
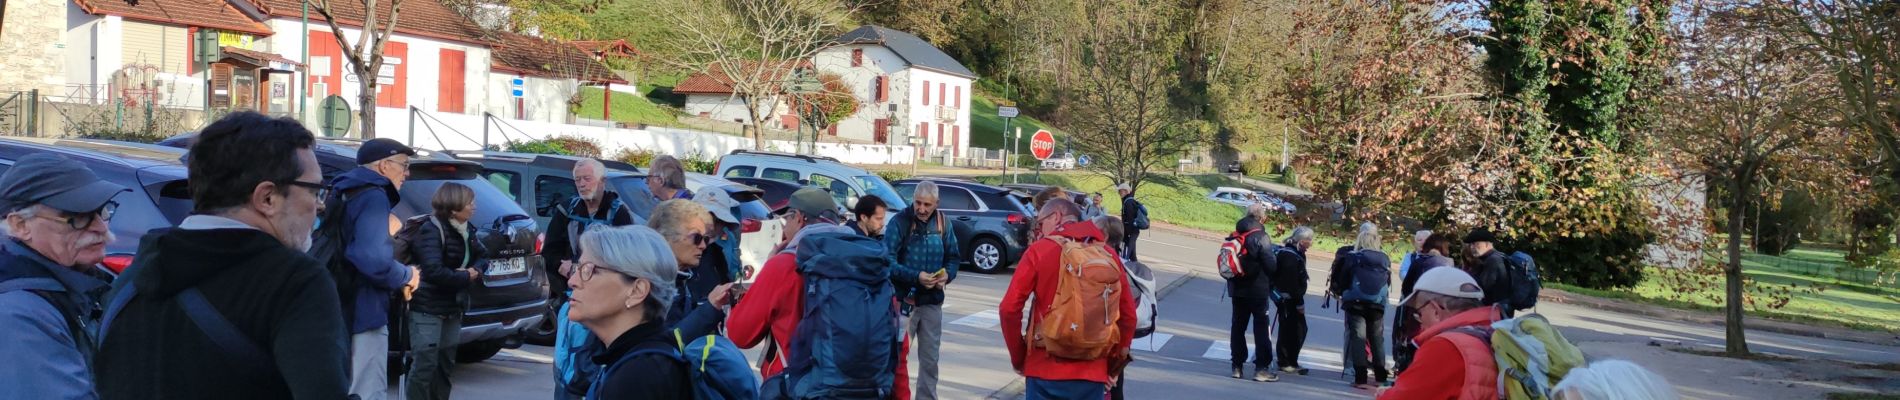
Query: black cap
x: 380, y: 148
x: 56, y: 182
x: 1480, y: 235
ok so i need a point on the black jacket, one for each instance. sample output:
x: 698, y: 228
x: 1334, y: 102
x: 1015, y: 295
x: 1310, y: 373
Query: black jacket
x: 1420, y: 264
x: 444, y: 257
x: 1257, y: 261
x: 645, y: 377
x: 561, y: 241
x: 279, y: 298
x: 1291, y: 277
x: 1492, y: 276
x: 696, y: 285
x: 1130, y: 209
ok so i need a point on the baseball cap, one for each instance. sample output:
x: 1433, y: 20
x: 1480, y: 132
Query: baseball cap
x: 1124, y: 186
x: 1480, y: 235
x: 1446, y: 281
x: 814, y: 201
x: 380, y: 148
x: 719, y: 203
x: 56, y: 182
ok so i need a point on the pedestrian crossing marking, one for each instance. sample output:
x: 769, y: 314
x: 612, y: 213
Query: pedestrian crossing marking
x: 1218, y: 351
x: 1153, y: 342
x: 987, y: 319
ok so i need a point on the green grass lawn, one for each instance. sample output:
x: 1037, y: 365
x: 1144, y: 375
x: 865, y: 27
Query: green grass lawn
x: 986, y: 129
x: 1173, y: 200
x: 626, y: 108
x: 1819, y: 295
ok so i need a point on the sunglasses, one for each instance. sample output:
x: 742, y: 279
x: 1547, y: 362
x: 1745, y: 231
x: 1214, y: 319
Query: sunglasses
x: 79, y: 221
x: 700, y: 239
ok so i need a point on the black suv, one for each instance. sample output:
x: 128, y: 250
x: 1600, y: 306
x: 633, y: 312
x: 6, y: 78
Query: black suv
x: 159, y: 196
x: 992, y: 222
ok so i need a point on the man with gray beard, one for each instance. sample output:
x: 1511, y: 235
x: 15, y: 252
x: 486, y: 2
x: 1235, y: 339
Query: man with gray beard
x: 227, y: 305
x: 56, y: 211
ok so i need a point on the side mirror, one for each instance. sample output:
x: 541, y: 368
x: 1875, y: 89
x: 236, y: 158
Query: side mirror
x: 851, y: 202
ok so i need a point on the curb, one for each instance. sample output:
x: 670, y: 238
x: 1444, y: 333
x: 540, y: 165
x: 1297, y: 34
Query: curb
x: 1705, y: 318
x: 1014, y: 390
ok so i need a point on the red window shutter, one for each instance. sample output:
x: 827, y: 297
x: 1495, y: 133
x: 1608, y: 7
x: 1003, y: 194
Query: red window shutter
x: 451, y: 85
x: 940, y: 93
x: 923, y: 130
x: 857, y: 57
x: 927, y: 93
x: 959, y: 98
x: 323, y: 44
x: 394, y: 95
x: 880, y: 129
x: 956, y: 142
x: 940, y: 134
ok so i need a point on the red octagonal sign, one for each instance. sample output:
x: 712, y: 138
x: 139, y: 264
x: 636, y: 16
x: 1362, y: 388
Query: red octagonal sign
x: 1043, y: 145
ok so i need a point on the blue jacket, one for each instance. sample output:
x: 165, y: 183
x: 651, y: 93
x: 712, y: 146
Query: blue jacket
x: 926, y: 247
x: 369, y: 249
x: 48, y: 359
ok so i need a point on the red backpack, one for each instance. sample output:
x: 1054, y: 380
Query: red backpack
x: 1229, y: 258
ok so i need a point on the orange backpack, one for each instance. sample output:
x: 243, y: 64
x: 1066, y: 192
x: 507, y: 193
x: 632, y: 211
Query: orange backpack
x: 1080, y: 324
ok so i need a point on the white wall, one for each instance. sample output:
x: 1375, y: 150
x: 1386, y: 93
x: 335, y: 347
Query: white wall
x: 728, y: 108
x: 81, y: 37
x: 545, y: 98
x: 422, y: 78
x: 920, y: 112
x: 464, y: 132
x: 878, y: 60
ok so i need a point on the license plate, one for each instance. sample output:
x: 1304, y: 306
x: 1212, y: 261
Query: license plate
x: 509, y: 266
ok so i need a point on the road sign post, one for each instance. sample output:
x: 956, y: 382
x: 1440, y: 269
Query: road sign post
x: 1008, y: 114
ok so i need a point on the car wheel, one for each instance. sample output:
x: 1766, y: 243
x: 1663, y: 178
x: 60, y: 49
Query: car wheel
x: 543, y: 334
x: 477, y: 351
x: 987, y: 255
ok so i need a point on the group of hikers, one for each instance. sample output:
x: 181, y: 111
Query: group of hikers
x: 278, y: 285
x: 1454, y: 328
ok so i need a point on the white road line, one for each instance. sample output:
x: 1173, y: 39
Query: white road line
x: 987, y: 319
x: 1165, y: 244
x: 525, y: 355
x: 1153, y: 342
x: 1218, y: 351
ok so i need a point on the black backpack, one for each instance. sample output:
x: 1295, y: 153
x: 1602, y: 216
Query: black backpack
x: 328, y: 244
x: 1521, y: 271
x: 404, y: 240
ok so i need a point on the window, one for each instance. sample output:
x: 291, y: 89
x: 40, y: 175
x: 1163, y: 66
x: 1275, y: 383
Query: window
x: 940, y: 93
x: 880, y: 89
x: 906, y: 190
x: 780, y: 175
x: 551, y: 190
x: 959, y: 98
x: 926, y: 93
x: 957, y: 199
x: 508, y: 182
x: 880, y: 130
x: 740, y: 172
x: 841, y: 190
x: 857, y: 57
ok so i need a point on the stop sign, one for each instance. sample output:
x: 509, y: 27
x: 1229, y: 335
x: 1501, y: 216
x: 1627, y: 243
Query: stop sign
x: 1043, y: 145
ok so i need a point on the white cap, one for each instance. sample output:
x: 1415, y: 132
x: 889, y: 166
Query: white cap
x: 718, y: 202
x: 1124, y: 186
x: 1446, y: 281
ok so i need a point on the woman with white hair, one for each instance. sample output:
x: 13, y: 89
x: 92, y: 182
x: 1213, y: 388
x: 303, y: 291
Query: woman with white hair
x: 1613, y: 380
x: 622, y: 292
x: 1362, y: 278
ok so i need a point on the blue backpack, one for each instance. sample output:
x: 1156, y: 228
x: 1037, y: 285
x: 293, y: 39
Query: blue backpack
x: 1141, y: 216
x: 716, y: 367
x: 846, y: 344
x: 1371, y: 274
x: 1524, y: 281
x: 574, y: 345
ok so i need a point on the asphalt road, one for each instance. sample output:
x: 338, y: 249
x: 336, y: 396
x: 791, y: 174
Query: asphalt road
x: 1187, y: 357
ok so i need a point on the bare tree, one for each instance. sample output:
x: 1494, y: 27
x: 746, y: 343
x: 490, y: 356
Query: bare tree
x: 1117, y: 108
x: 1859, y: 42
x: 1747, y: 103
x: 365, y: 57
x: 754, y: 46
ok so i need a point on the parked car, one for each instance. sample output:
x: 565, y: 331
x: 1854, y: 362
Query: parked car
x: 159, y: 198
x: 776, y: 194
x: 1233, y: 196
x: 846, y: 183
x: 991, y: 222
x: 1233, y: 167
x: 1276, y: 203
x: 1059, y: 162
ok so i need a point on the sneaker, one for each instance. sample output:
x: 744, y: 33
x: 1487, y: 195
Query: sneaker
x: 1289, y: 370
x: 1364, y: 386
x: 1261, y: 375
x: 1237, y: 373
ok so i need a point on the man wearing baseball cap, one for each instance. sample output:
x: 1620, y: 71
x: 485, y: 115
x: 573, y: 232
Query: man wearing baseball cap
x: 1454, y: 358
x: 56, y: 211
x: 368, y: 192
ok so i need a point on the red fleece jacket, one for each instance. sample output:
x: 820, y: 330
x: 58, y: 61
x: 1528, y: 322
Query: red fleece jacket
x: 1036, y: 275
x: 1441, y: 371
x: 771, y: 309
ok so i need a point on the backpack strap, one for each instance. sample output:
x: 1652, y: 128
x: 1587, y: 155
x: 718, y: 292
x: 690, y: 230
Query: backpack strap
x: 222, y: 332
x: 115, y: 305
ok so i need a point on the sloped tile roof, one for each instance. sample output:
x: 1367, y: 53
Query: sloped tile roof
x: 602, y: 48
x: 529, y: 55
x: 216, y: 14
x: 715, y: 81
x: 912, y: 49
x: 424, y: 18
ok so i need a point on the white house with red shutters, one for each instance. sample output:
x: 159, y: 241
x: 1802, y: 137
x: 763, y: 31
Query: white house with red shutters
x: 901, y: 80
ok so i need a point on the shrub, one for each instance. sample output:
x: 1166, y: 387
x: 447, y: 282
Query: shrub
x: 1258, y: 166
x: 893, y: 175
x: 124, y: 136
x: 696, y: 161
x: 1779, y: 229
x: 636, y: 156
x: 561, y: 145
x: 1290, y: 176
x: 1602, y: 261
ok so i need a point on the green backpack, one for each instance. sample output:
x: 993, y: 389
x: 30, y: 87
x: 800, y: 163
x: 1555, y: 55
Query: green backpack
x: 1532, y: 357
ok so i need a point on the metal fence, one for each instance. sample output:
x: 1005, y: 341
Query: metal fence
x: 974, y: 157
x: 19, y: 112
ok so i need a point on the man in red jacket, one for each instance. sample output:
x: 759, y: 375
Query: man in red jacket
x: 771, y: 307
x: 1456, y: 363
x: 1050, y: 377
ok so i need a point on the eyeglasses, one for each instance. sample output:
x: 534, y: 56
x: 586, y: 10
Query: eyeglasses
x: 79, y: 221
x: 322, y: 191
x: 587, y: 270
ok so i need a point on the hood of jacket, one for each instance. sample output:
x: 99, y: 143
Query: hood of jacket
x: 364, y: 177
x: 21, y: 266
x: 1080, y: 230
x: 1481, y: 316
x: 189, y: 256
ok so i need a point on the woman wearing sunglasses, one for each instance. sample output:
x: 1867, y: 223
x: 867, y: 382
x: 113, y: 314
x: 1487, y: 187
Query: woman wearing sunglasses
x: 685, y: 226
x: 622, y: 293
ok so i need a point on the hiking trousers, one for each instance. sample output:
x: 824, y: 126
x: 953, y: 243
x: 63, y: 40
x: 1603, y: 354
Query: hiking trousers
x: 926, y: 329
x: 369, y: 364
x: 1042, y: 389
x: 1290, y: 316
x: 432, y: 341
x: 1128, y: 243
x: 1365, y: 340
x: 1251, y: 309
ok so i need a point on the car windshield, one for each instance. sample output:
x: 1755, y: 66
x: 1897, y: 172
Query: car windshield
x: 876, y: 186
